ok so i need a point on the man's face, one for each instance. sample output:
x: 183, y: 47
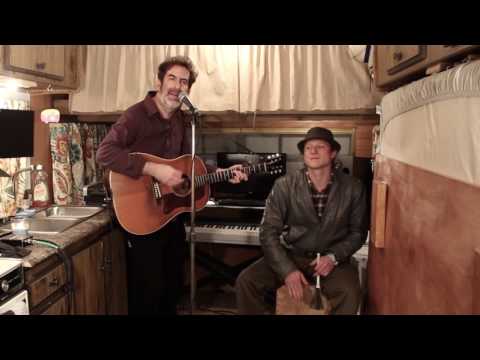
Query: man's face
x: 175, y: 81
x: 318, y: 154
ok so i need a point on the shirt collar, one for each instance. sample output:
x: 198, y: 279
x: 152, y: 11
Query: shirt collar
x: 310, y: 183
x: 150, y: 104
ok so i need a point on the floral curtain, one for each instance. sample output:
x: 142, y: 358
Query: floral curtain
x: 8, y: 203
x: 73, y: 147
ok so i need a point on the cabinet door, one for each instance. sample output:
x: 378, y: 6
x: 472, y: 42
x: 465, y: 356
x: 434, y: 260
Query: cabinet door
x: 46, y: 285
x: 41, y: 60
x: 400, y: 57
x: 394, y: 64
x: 115, y: 273
x: 89, y: 280
x: 60, y: 307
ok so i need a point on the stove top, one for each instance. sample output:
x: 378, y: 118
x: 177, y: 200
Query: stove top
x: 9, y: 264
x: 11, y: 277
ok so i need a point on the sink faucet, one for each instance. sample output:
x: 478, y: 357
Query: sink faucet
x: 86, y: 189
x: 14, y: 180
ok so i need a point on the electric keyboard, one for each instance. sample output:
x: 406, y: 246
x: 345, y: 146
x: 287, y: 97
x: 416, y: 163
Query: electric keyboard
x: 227, y: 224
x: 239, y: 234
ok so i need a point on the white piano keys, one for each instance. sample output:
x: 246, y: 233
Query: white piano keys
x: 226, y: 234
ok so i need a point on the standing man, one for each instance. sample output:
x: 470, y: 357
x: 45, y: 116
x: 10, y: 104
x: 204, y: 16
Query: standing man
x: 155, y: 262
x: 319, y: 209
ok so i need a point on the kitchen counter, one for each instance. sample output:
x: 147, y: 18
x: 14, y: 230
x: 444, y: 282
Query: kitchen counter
x: 68, y: 239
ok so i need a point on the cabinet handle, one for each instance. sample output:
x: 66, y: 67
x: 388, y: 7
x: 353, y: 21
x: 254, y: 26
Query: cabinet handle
x: 397, y: 55
x: 40, y: 66
x: 54, y: 282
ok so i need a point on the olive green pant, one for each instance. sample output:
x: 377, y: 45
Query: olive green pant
x: 256, y: 287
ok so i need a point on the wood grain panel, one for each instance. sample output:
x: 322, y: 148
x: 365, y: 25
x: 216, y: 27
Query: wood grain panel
x: 43, y: 60
x: 60, y: 307
x: 476, y: 283
x: 379, y: 205
x: 89, y: 280
x: 60, y: 73
x: 431, y: 230
x: 46, y: 285
x: 363, y: 141
x: 434, y: 54
x: 115, y: 273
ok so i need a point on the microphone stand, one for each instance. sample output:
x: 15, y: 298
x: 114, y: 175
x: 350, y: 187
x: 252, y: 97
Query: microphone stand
x: 191, y: 235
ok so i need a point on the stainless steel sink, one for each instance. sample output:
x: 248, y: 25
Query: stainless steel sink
x: 57, y: 219
x: 46, y: 225
x: 73, y: 212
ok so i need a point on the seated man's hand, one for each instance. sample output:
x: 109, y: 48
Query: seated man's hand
x: 238, y: 175
x: 295, y: 281
x: 324, y: 267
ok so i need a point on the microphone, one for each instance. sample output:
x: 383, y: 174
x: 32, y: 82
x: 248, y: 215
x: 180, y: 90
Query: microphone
x: 183, y: 97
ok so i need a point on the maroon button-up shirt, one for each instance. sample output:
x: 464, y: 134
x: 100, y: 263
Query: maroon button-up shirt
x: 141, y: 128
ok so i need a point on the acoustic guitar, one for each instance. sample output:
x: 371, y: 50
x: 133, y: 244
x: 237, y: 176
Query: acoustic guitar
x: 144, y: 205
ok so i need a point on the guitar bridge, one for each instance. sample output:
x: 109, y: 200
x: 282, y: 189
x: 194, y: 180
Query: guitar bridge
x: 157, y: 194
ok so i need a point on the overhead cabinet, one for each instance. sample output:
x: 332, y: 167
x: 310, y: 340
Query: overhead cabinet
x: 55, y: 65
x: 396, y: 65
x: 41, y: 60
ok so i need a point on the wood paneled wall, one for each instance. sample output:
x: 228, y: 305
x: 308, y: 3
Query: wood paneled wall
x: 429, y: 260
x: 360, y: 124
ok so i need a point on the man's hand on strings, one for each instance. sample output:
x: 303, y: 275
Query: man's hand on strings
x: 238, y: 174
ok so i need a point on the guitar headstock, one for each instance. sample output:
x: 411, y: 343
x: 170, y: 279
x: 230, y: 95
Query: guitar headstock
x: 274, y: 164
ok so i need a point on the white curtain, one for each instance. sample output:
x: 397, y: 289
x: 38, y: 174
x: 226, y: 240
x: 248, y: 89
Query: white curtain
x: 304, y: 78
x: 231, y: 77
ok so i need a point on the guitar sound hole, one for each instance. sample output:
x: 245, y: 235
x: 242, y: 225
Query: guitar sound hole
x: 184, y: 187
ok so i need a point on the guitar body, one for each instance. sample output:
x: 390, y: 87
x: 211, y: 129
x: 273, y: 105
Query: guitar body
x: 140, y: 211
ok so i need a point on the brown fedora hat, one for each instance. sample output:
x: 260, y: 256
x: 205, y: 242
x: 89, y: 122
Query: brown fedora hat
x: 320, y: 134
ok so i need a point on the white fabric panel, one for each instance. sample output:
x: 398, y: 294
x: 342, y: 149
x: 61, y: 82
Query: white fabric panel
x: 232, y: 77
x: 117, y: 76
x: 434, y: 124
x: 304, y: 78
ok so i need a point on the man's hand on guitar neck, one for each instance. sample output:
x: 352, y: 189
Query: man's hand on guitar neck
x: 165, y: 174
x: 238, y: 175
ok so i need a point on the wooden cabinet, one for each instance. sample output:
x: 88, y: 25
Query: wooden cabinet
x: 89, y: 280
x: 400, y: 57
x: 46, y: 285
x: 115, y: 273
x: 58, y: 307
x: 99, y: 279
x: 55, y: 65
x: 41, y: 60
x: 396, y: 65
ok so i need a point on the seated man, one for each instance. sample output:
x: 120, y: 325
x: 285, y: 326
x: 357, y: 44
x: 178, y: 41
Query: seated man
x: 319, y: 209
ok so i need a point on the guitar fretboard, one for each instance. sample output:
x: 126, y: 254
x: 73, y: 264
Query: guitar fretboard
x: 228, y: 174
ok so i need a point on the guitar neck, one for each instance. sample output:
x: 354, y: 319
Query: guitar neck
x: 225, y: 175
